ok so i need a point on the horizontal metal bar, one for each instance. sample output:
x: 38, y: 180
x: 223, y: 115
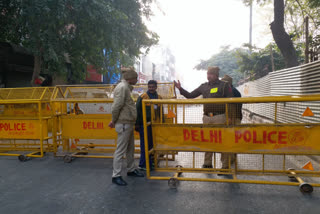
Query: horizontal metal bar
x: 270, y: 99
x: 233, y: 181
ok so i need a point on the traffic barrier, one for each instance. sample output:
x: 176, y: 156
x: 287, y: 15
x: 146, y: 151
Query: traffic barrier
x: 232, y: 143
x: 82, y: 115
x: 25, y: 122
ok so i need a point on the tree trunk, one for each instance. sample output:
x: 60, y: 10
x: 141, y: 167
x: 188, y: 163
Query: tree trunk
x: 281, y: 37
x: 36, y: 69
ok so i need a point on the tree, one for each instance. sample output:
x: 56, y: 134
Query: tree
x: 226, y: 59
x: 281, y: 37
x: 314, y: 3
x: 258, y: 63
x: 56, y: 31
x: 289, y: 17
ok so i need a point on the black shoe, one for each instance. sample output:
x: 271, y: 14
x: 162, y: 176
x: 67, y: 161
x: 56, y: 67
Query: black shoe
x: 119, y: 181
x: 207, y: 166
x: 135, y: 173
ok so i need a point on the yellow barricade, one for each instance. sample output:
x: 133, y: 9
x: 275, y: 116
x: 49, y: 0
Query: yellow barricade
x: 25, y: 122
x: 237, y: 140
x: 82, y: 115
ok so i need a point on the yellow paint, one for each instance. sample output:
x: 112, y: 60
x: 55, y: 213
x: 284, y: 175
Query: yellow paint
x: 263, y: 139
x: 22, y: 129
x: 308, y: 166
x: 213, y: 90
x: 89, y: 126
x: 308, y: 113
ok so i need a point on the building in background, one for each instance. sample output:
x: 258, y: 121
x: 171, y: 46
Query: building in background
x: 157, y: 64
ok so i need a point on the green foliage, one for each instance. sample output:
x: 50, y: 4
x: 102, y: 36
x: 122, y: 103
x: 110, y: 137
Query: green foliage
x: 314, y: 3
x: 52, y: 29
x: 239, y: 62
x: 294, y: 17
x: 227, y: 61
x: 258, y: 63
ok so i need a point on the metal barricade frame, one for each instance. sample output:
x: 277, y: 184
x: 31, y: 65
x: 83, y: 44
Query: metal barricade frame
x: 196, y: 138
x: 26, y: 115
x: 75, y: 97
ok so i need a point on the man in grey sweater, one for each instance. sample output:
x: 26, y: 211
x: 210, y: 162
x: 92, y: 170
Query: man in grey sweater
x: 124, y: 115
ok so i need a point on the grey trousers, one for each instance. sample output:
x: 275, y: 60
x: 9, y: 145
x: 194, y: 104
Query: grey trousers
x: 125, y: 145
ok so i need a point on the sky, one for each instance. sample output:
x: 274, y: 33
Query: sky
x: 196, y: 29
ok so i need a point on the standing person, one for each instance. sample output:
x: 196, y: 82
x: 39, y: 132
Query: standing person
x: 124, y: 116
x: 213, y: 113
x: 150, y: 94
x: 238, y: 118
x: 235, y: 93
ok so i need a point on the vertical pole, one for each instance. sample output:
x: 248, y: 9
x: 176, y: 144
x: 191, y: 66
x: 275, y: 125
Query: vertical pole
x: 41, y: 127
x: 145, y: 133
x: 227, y: 115
x: 275, y: 112
x: 306, y: 52
x: 250, y: 28
x: 184, y: 112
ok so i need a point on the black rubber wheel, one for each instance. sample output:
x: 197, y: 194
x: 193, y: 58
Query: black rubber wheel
x: 22, y: 158
x: 306, y: 188
x: 67, y: 158
x: 91, y: 146
x: 173, y: 183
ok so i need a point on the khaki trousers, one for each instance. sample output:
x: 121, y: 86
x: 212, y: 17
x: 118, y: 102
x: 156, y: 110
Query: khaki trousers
x: 219, y: 119
x: 125, y: 145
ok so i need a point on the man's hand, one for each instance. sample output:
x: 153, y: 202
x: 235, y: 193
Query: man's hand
x: 137, y: 128
x: 177, y: 84
x: 111, y: 125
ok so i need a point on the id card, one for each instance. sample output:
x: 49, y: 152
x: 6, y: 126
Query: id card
x: 213, y: 90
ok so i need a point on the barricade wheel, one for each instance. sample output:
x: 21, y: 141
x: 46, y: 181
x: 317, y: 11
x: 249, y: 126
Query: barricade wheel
x: 67, y: 158
x: 306, y: 188
x: 22, y: 158
x: 91, y: 146
x: 173, y: 183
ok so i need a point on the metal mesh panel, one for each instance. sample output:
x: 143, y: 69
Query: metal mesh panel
x: 26, y: 93
x: 95, y: 108
x: 262, y: 163
x: 88, y: 92
x: 287, y: 112
x: 166, y: 90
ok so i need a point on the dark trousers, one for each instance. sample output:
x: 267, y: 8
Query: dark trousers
x: 142, y: 162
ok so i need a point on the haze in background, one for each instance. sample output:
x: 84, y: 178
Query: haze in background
x: 196, y: 29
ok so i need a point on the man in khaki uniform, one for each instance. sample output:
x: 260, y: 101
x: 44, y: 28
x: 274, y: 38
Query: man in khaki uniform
x: 124, y: 115
x: 213, y: 113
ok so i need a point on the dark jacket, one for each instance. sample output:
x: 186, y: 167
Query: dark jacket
x: 217, y: 89
x: 238, y: 106
x: 139, y: 121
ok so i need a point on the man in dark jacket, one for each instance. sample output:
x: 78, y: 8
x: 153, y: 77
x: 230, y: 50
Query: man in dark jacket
x: 213, y: 113
x: 150, y: 94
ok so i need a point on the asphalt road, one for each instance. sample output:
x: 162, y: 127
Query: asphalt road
x: 49, y: 185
